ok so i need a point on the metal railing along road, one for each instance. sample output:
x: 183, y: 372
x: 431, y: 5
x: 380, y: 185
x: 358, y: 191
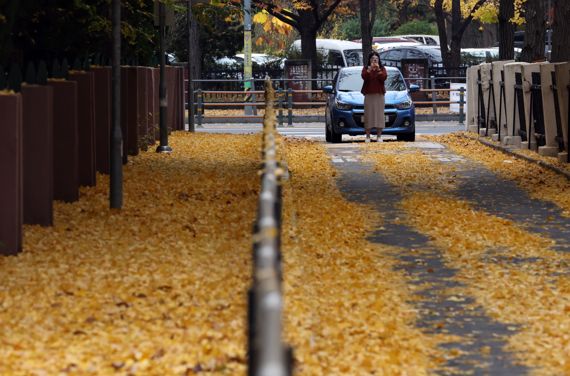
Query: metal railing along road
x: 267, y: 355
x: 288, y: 99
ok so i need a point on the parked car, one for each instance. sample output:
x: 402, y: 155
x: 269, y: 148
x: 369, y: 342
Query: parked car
x: 344, y: 112
x: 428, y: 40
x: 340, y: 53
x: 383, y: 40
x: 393, y: 56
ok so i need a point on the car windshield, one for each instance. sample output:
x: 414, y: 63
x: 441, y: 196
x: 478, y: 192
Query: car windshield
x: 352, y: 81
x: 353, y: 57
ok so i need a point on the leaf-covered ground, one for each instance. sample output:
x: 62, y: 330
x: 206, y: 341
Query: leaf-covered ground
x: 514, y: 274
x: 347, y: 309
x: 156, y: 289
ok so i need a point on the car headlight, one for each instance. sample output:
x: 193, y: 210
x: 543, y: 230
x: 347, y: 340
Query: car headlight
x: 404, y: 105
x: 343, y: 106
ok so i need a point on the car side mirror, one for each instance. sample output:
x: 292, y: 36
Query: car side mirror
x: 328, y: 89
x: 414, y: 88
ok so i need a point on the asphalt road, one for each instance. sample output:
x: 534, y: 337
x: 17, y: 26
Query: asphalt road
x: 316, y: 130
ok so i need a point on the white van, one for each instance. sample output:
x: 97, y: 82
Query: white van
x: 341, y: 53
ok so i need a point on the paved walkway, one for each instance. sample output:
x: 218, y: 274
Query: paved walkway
x: 437, y: 304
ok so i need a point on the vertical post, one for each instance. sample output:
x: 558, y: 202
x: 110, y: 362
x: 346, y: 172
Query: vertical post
x: 163, y: 147
x: 116, y: 149
x: 280, y: 101
x: 247, y: 70
x: 290, y: 107
x: 200, y: 106
x: 433, y: 95
x: 461, y: 104
x: 191, y: 127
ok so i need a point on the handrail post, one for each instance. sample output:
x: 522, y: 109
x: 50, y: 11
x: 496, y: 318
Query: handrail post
x: 433, y: 95
x: 461, y: 105
x: 200, y: 106
x: 280, y: 104
x: 289, y: 107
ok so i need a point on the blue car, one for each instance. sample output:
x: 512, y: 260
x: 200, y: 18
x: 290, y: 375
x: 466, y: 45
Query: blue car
x: 345, y: 106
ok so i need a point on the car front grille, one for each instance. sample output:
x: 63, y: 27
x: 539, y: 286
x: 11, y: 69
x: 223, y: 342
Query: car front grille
x: 358, y: 117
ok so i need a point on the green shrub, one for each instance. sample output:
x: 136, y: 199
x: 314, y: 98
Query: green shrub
x: 417, y: 27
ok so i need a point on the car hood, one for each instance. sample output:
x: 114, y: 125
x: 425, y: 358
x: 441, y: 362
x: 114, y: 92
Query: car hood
x: 356, y: 98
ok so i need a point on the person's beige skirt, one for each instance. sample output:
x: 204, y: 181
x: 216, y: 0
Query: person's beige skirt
x: 374, y: 111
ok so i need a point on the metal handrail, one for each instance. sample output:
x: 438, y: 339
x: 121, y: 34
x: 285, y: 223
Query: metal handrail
x: 267, y: 355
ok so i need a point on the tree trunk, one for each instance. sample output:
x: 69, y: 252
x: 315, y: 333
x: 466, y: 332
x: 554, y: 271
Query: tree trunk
x: 365, y: 29
x: 196, y: 53
x: 404, y: 12
x: 442, y: 31
x: 308, y: 32
x: 506, y: 30
x: 535, y: 31
x: 561, y: 31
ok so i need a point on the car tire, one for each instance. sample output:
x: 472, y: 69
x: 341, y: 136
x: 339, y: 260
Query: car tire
x: 336, y: 138
x: 328, y: 136
x: 409, y: 137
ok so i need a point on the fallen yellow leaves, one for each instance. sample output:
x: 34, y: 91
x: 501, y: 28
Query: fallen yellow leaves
x: 538, y: 181
x: 158, y: 288
x: 346, y: 309
x: 513, y: 274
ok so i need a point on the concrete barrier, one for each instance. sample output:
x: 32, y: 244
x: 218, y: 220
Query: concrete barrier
x: 499, y: 98
x: 552, y: 112
x: 38, y: 154
x: 534, y: 130
x: 516, y: 118
x: 471, y: 120
x: 487, y: 111
x: 563, y: 80
x: 11, y: 171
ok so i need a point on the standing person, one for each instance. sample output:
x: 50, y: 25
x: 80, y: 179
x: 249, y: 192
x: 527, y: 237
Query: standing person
x: 374, y: 74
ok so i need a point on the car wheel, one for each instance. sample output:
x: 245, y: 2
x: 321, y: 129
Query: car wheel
x: 328, y: 137
x: 335, y: 137
x: 410, y: 137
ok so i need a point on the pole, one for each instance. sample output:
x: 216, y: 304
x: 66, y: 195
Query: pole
x: 163, y: 147
x: 116, y: 150
x: 190, y: 99
x: 247, y: 70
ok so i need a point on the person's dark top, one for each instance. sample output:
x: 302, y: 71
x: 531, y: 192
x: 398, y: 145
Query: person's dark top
x: 374, y: 81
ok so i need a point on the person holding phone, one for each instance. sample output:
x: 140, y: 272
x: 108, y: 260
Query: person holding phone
x: 374, y: 74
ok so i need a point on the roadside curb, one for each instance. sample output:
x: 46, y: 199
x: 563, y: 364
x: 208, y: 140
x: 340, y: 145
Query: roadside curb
x: 512, y: 152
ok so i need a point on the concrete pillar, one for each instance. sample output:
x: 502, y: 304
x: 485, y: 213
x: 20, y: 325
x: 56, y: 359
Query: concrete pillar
x: 471, y: 121
x: 489, y: 115
x: 512, y: 137
x: 498, y: 69
x: 563, y: 80
x: 531, y: 122
x: 551, y: 117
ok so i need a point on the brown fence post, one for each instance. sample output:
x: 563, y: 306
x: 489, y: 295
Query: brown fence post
x: 38, y: 154
x: 130, y: 108
x: 11, y: 171
x: 142, y: 108
x: 102, y: 118
x: 65, y: 140
x: 150, y: 98
x: 85, y: 126
x: 156, y: 104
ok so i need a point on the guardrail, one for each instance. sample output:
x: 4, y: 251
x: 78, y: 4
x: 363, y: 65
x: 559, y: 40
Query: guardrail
x: 267, y: 355
x: 285, y: 100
